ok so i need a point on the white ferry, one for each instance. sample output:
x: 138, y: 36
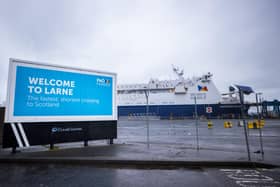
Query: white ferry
x: 177, y: 98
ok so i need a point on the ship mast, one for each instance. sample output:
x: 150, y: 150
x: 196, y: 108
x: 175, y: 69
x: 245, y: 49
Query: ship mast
x: 179, y: 72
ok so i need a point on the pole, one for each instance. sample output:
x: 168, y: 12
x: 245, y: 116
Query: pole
x: 259, y: 122
x: 196, y: 123
x: 241, y: 95
x: 147, y: 117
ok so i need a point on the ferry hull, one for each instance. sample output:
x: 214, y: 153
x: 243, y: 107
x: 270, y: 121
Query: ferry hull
x: 183, y: 111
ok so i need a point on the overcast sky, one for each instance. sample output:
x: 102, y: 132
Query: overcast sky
x: 237, y: 41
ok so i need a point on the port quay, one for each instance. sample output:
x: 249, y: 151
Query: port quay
x: 181, y: 128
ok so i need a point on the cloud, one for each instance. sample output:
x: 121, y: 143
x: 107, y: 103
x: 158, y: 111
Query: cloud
x: 235, y: 40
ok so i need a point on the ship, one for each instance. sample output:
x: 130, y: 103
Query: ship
x: 177, y: 98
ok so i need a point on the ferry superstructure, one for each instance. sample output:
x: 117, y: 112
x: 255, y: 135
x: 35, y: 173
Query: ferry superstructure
x: 176, y: 98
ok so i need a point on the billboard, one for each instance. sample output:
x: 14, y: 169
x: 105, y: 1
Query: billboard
x: 40, y: 92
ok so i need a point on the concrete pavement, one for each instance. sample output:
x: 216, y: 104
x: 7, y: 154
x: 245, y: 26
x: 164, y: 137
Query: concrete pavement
x: 132, y: 155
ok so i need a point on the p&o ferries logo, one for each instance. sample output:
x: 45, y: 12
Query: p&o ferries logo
x: 103, y: 82
x: 202, y: 88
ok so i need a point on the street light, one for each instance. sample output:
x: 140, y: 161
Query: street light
x: 196, y: 123
x: 147, y: 92
x: 244, y: 90
x: 259, y: 122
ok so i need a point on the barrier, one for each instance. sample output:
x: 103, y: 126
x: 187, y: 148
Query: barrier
x: 262, y: 122
x: 227, y: 124
x: 210, y: 124
x: 240, y: 123
x: 255, y: 124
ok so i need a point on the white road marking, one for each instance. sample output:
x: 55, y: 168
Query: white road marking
x: 251, y: 177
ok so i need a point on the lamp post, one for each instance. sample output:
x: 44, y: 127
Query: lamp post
x: 241, y: 95
x: 259, y: 122
x: 244, y: 90
x: 147, y: 92
x: 196, y: 123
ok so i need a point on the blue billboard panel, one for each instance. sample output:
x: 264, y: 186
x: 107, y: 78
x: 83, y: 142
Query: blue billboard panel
x: 58, y: 94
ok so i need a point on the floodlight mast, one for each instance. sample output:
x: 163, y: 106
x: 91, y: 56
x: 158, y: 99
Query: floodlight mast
x: 196, y: 123
x: 244, y: 90
x: 241, y: 95
x: 259, y: 123
x: 147, y: 92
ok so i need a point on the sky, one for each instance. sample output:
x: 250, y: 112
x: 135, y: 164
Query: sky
x: 237, y: 41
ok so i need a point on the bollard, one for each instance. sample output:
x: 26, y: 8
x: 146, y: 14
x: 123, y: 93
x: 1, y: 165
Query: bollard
x: 210, y: 124
x: 262, y: 123
x: 240, y: 123
x: 250, y: 125
x: 227, y: 124
x: 259, y: 124
x: 255, y: 124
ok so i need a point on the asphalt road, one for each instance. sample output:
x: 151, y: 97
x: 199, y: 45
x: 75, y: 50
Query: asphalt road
x: 73, y: 175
